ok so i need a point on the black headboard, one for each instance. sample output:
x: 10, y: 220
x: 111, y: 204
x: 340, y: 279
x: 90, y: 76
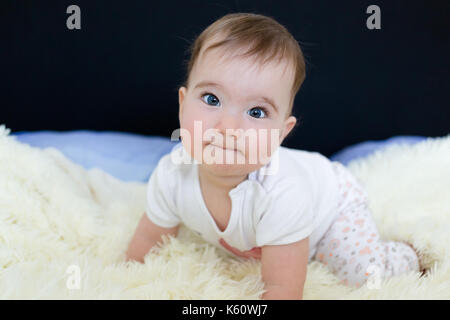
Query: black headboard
x: 122, y: 69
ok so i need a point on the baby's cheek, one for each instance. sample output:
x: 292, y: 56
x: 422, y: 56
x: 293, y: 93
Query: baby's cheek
x: 266, y: 144
x: 192, y: 134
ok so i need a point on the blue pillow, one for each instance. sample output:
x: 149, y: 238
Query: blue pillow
x: 132, y: 157
x: 363, y: 149
x: 127, y: 156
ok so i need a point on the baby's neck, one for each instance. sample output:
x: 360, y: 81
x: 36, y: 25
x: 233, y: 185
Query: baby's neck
x: 222, y: 184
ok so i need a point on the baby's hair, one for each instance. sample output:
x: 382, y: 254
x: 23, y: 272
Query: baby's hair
x: 264, y: 38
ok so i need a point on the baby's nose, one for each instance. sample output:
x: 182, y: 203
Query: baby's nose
x: 229, y: 125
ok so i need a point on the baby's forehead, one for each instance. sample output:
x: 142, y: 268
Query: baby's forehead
x: 221, y: 60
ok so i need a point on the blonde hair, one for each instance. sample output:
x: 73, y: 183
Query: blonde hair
x: 264, y: 38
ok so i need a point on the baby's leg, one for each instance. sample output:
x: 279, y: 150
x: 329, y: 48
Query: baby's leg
x: 352, y: 247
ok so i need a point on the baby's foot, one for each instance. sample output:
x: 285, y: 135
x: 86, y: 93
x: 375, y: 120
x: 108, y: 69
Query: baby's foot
x: 422, y: 269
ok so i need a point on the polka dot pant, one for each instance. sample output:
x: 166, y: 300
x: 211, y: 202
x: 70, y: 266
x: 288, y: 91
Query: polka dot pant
x: 352, y: 247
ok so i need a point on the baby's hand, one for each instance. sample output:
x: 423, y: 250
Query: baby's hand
x: 253, y: 253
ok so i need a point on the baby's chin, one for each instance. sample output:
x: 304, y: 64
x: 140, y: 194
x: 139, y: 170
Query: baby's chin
x: 225, y: 170
x: 230, y: 169
x: 225, y: 162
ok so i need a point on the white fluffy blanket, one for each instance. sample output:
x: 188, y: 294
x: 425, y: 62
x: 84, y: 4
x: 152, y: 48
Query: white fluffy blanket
x: 64, y: 232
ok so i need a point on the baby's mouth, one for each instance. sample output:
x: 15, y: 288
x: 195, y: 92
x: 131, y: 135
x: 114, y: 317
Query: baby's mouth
x: 223, y: 144
x: 222, y: 147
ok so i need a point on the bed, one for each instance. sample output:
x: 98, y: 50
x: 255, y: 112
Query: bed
x: 132, y: 157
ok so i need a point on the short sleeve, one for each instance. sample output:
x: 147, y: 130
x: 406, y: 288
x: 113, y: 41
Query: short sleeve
x: 289, y: 218
x: 160, y: 207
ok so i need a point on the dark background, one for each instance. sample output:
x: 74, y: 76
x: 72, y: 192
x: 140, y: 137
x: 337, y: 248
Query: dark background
x: 122, y: 70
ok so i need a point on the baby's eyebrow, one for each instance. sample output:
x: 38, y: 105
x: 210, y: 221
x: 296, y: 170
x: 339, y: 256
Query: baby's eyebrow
x: 207, y: 84
x: 213, y: 84
x: 271, y: 102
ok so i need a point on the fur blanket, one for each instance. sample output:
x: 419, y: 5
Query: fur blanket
x: 64, y: 231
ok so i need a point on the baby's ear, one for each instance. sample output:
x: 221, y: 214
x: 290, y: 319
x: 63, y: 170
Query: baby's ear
x: 181, y: 96
x: 289, y: 124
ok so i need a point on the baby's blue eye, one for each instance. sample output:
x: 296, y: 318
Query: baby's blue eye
x: 256, y: 112
x: 210, y: 99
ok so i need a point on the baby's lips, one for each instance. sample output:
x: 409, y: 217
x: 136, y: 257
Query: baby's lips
x: 224, y: 142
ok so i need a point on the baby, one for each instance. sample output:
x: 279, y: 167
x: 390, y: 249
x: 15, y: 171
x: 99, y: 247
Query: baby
x: 246, y: 193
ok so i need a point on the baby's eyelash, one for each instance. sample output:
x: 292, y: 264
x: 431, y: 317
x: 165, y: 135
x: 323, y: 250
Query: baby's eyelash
x: 206, y: 92
x: 266, y: 110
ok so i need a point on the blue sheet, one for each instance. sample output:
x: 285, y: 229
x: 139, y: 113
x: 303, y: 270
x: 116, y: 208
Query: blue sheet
x: 363, y: 149
x: 127, y: 156
x: 132, y: 157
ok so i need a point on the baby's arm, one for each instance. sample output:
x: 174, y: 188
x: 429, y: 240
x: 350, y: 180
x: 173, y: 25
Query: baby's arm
x: 147, y: 235
x: 284, y: 270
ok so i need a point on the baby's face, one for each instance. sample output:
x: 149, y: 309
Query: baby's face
x: 234, y: 112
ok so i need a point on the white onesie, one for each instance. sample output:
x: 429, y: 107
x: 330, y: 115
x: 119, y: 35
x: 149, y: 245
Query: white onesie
x: 292, y: 197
